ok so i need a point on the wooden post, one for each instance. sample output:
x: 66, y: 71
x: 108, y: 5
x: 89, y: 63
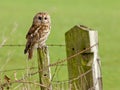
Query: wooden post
x: 96, y: 67
x: 43, y: 62
x: 78, y: 39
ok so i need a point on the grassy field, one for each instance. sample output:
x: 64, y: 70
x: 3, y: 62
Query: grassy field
x: 101, y: 15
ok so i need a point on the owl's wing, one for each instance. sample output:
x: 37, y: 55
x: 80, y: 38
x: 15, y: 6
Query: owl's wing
x: 31, y: 31
x: 32, y: 38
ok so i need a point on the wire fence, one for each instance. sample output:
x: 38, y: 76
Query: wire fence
x: 57, y: 84
x: 21, y: 45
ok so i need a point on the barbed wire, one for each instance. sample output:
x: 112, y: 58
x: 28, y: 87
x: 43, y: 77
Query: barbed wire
x: 62, y: 61
x: 58, y: 63
x: 72, y: 56
x: 53, y: 64
x: 66, y: 59
x: 53, y: 82
x: 7, y: 84
x: 71, y: 80
x: 21, y: 45
x: 19, y: 69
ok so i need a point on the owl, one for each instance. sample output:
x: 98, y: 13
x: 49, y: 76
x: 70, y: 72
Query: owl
x: 38, y: 33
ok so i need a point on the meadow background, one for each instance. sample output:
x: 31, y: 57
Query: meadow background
x: 102, y: 15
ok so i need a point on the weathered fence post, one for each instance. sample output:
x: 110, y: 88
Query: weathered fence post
x: 43, y: 62
x: 79, y: 38
x: 96, y: 66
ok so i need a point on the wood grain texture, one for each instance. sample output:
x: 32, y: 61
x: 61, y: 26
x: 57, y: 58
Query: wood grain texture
x: 43, y: 62
x: 77, y: 39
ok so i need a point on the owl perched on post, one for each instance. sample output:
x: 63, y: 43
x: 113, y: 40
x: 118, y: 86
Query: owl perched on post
x: 38, y: 33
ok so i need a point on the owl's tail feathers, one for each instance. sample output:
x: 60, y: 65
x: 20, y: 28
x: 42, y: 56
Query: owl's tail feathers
x: 29, y: 51
x: 27, y: 47
x: 25, y: 51
x: 30, y: 54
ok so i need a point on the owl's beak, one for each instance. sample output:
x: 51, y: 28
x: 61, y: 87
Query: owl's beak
x: 42, y: 21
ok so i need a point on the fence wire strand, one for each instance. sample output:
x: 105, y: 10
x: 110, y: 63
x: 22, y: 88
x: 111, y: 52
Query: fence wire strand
x: 63, y: 60
x: 53, y: 64
x: 18, y: 69
x: 72, y: 56
x: 21, y: 45
x: 74, y: 79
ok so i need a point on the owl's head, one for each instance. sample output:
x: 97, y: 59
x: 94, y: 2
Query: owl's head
x: 42, y: 18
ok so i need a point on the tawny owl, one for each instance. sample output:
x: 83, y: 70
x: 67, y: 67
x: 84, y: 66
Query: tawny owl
x: 38, y: 33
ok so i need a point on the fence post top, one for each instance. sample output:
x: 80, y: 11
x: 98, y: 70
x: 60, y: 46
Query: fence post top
x: 80, y: 27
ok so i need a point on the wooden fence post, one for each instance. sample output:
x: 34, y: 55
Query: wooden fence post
x: 78, y: 39
x: 96, y: 66
x: 43, y: 62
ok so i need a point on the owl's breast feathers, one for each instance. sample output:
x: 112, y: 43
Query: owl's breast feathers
x: 37, y: 29
x: 36, y: 35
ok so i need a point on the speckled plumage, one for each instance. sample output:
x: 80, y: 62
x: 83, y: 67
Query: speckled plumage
x: 38, y: 33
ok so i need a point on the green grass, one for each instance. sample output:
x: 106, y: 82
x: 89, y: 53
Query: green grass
x: 101, y: 15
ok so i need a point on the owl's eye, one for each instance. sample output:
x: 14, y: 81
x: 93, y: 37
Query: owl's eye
x: 45, y: 18
x: 40, y: 18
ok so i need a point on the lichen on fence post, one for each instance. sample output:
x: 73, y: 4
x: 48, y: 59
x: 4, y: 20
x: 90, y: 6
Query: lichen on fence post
x: 78, y: 39
x: 44, y: 70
